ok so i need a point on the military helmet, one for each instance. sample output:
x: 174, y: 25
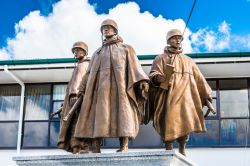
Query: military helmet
x: 81, y: 45
x: 111, y: 23
x: 174, y: 32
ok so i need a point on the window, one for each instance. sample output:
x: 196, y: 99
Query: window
x: 228, y: 128
x: 37, y: 102
x: 9, y: 115
x: 234, y: 132
x: 210, y: 137
x: 59, y: 91
x: 233, y: 98
x: 41, y: 100
x: 35, y: 134
x: 231, y: 124
x: 9, y: 102
x: 8, y: 137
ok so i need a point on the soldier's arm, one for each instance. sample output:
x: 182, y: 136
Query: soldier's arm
x: 83, y: 84
x: 156, y: 74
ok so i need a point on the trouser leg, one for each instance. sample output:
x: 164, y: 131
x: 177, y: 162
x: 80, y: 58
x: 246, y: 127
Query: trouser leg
x: 182, y: 143
x: 85, y: 145
x: 123, y: 144
x: 169, y: 145
x: 97, y: 145
x: 75, y: 145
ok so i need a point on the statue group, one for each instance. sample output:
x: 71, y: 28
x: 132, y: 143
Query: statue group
x: 110, y: 96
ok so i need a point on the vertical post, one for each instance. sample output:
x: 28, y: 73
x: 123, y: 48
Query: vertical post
x: 20, y: 122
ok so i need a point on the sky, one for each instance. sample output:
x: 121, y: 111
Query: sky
x: 43, y: 29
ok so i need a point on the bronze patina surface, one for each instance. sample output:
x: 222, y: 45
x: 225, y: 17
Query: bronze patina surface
x: 113, y: 88
x: 66, y: 139
x: 177, y: 95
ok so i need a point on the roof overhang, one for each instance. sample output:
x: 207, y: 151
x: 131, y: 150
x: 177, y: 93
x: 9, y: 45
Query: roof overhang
x: 232, y: 67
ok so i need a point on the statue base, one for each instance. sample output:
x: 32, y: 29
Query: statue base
x: 159, y: 158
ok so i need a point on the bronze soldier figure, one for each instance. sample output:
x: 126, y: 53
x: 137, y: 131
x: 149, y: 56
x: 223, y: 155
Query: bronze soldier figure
x: 178, y: 93
x: 66, y: 139
x: 113, y: 88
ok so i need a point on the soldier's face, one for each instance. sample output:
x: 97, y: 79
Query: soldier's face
x: 108, y: 31
x: 175, y: 41
x: 79, y: 53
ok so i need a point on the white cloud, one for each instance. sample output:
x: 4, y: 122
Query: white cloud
x: 207, y: 40
x: 212, y: 40
x: 39, y: 36
x: 242, y: 42
x: 3, y: 54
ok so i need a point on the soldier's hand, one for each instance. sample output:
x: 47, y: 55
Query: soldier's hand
x: 80, y: 93
x: 144, y: 86
x: 72, y: 100
x: 210, y: 99
x: 160, y: 78
x: 210, y: 106
x: 144, y: 89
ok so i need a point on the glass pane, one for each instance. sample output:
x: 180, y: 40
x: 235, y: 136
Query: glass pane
x: 213, y: 87
x: 210, y: 114
x: 10, y: 102
x: 112, y: 143
x: 146, y: 68
x: 35, y: 134
x: 56, y: 106
x: 8, y: 136
x: 233, y: 98
x: 147, y: 131
x: 54, y: 131
x: 234, y: 131
x: 59, y: 92
x: 37, y: 102
x: 211, y: 137
x: 248, y: 131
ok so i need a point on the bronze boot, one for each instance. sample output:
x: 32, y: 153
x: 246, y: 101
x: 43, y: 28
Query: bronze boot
x: 169, y: 145
x: 97, y: 145
x: 61, y: 145
x: 85, y: 144
x: 182, y: 143
x: 182, y: 148
x: 76, y: 150
x: 123, y: 144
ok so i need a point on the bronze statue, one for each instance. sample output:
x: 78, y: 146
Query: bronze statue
x: 66, y: 139
x: 177, y: 95
x: 114, y: 87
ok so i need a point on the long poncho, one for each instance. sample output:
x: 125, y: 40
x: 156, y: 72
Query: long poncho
x: 110, y: 105
x: 178, y: 110
x: 67, y: 128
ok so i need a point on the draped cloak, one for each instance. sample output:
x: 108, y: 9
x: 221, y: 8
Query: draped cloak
x: 67, y: 128
x: 110, y: 105
x: 178, y: 110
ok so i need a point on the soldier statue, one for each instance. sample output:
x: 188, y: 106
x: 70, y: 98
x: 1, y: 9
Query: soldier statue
x: 177, y: 95
x: 66, y: 139
x: 114, y: 87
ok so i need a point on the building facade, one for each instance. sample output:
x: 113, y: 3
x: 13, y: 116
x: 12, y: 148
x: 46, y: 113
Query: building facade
x: 27, y: 125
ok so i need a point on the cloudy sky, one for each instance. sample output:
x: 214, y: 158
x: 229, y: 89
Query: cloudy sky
x: 38, y: 29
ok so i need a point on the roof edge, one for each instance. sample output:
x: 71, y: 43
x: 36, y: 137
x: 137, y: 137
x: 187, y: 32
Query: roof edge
x: 140, y: 57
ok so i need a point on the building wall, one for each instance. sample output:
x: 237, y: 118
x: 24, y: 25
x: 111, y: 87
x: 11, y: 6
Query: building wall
x: 228, y: 128
x: 224, y: 143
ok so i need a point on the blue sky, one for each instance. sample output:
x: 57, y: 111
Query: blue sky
x: 224, y: 23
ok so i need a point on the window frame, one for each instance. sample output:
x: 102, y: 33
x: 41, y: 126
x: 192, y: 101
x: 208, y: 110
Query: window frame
x: 9, y: 121
x: 49, y: 121
x: 57, y: 120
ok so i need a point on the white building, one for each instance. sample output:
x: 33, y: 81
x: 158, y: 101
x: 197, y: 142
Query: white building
x: 26, y: 126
